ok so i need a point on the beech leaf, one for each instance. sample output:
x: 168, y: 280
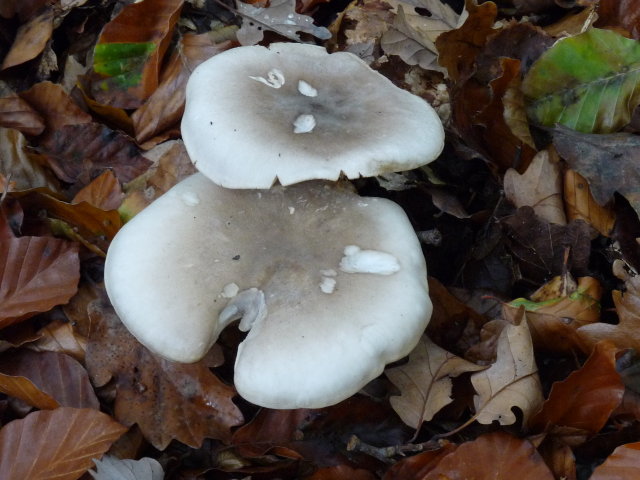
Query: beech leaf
x: 112, y: 468
x: 281, y: 17
x: 512, y: 381
x: 586, y: 82
x: 58, y: 443
x: 622, y: 464
x: 425, y: 382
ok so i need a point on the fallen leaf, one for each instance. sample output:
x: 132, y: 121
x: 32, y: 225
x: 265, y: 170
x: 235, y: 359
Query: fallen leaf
x: 342, y: 472
x: 30, y: 39
x: 36, y: 274
x: 281, y: 17
x: 512, y: 381
x: 24, y: 389
x: 129, y: 52
x: 425, y: 382
x: 580, y: 204
x: 55, y: 374
x: 112, y: 468
x: 498, y: 456
x: 418, y: 466
x: 586, y: 82
x: 622, y: 464
x: 23, y: 165
x: 60, y: 337
x: 167, y: 400
x: 559, y: 458
x: 58, y: 443
x: 620, y: 13
x: 18, y: 114
x: 362, y: 24
x: 586, y: 398
x: 103, y: 192
x: 608, y: 162
x: 540, y: 187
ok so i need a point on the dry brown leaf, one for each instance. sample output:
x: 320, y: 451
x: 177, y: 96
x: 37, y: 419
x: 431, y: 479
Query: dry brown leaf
x: 30, y: 40
x: 60, y: 337
x: 586, y: 398
x: 626, y: 334
x: 36, y: 273
x: 515, y: 114
x: 58, y: 443
x: 342, y: 472
x: 559, y: 457
x: 24, y: 167
x: 18, y: 114
x: 362, y: 23
x: 165, y: 106
x: 620, y: 13
x: 24, y: 389
x: 55, y: 374
x: 539, y: 187
x: 167, y: 400
x: 418, y: 466
x: 495, y: 456
x: 512, y: 381
x: 580, y: 204
x: 103, y: 192
x: 622, y: 464
x: 425, y: 382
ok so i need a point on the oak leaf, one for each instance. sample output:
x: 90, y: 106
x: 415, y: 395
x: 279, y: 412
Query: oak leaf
x: 425, y: 382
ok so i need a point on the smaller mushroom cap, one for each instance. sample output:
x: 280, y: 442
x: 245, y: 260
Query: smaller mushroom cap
x: 294, y: 112
x: 330, y: 285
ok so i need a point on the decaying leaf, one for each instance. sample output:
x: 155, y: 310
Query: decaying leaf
x: 540, y: 187
x: 425, y: 382
x: 17, y: 160
x: 580, y: 204
x: 60, y: 337
x: 113, y: 468
x: 30, y: 40
x: 167, y: 400
x: 620, y: 13
x: 103, y: 192
x: 512, y: 381
x: 18, y: 114
x: 622, y: 464
x: 281, y: 17
x: 58, y: 443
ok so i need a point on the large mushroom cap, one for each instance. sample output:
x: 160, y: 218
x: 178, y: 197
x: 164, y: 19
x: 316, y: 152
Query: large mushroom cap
x: 331, y: 285
x: 293, y: 112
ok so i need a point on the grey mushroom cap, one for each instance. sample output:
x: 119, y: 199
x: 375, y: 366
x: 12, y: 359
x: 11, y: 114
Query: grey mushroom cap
x: 245, y: 105
x: 330, y: 286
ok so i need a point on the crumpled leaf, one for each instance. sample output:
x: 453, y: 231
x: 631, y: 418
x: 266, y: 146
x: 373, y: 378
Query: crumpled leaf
x: 586, y: 82
x: 22, y: 164
x: 58, y: 443
x: 586, y: 398
x: 113, y: 468
x: 30, y: 39
x: 622, y: 464
x: 281, y: 17
x: 512, y: 381
x: 540, y: 187
x: 580, y: 204
x: 18, y: 114
x: 495, y: 456
x: 167, y: 400
x: 425, y: 382
x: 60, y: 337
x: 412, y: 36
x: 36, y: 273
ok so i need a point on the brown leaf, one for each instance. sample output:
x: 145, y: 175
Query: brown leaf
x: 342, y: 472
x: 418, y: 466
x: 58, y: 443
x: 541, y: 247
x: 30, y: 39
x: 620, y: 13
x: 103, y: 192
x: 512, y: 381
x: 78, y: 153
x: 622, y: 464
x: 24, y: 389
x: 165, y: 106
x: 498, y: 456
x: 141, y: 22
x: 36, y: 273
x: 24, y: 166
x: 167, y: 400
x: 586, y: 398
x: 425, y: 382
x: 57, y: 375
x: 18, y: 114
x: 580, y: 204
x: 55, y: 106
x: 60, y: 337
x: 559, y: 457
x: 539, y: 187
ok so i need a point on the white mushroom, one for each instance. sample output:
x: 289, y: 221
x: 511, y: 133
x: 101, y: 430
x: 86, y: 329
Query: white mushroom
x: 181, y: 271
x: 314, y: 116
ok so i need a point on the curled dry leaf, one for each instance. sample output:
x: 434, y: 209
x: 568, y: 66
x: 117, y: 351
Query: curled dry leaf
x: 25, y: 167
x: 60, y: 337
x: 425, y: 382
x: 103, y: 192
x: 30, y: 40
x: 58, y: 443
x: 113, y: 468
x: 36, y: 274
x: 586, y: 398
x: 55, y: 374
x: 167, y: 400
x: 498, y: 456
x: 539, y: 187
x: 512, y: 381
x: 622, y: 464
x: 580, y: 204
x: 18, y: 114
x: 24, y: 389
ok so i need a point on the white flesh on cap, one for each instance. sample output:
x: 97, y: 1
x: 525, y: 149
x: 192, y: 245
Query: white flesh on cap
x: 181, y: 271
x: 239, y: 130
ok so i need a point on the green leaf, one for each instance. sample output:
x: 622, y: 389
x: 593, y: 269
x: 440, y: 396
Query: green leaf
x: 122, y: 61
x: 587, y: 82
